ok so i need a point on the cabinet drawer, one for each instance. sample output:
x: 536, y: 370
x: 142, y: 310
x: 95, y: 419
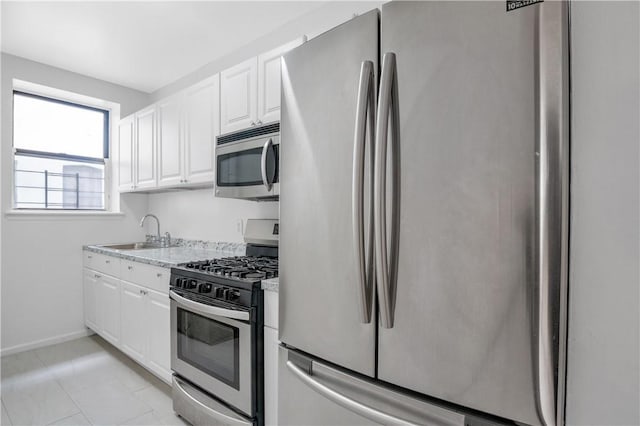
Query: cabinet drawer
x: 106, y: 264
x: 153, y: 277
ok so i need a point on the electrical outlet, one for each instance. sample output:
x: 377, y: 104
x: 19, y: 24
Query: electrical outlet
x: 239, y: 226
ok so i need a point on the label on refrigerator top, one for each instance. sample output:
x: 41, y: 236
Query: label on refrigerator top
x: 517, y: 4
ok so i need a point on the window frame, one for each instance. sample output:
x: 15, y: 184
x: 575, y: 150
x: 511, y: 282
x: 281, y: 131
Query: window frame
x: 105, y: 160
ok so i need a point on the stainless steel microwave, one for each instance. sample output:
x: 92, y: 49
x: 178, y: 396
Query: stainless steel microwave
x: 247, y: 163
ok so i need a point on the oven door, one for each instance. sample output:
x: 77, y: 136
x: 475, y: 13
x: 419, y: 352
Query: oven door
x: 211, y: 348
x: 249, y: 168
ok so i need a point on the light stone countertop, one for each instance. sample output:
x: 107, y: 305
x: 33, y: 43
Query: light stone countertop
x: 272, y: 284
x: 173, y: 256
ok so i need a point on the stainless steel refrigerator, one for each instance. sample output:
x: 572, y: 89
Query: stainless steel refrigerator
x: 423, y: 211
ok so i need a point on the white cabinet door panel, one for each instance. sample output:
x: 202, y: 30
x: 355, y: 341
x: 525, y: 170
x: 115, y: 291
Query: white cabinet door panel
x: 269, y: 81
x: 90, y: 283
x: 146, y: 148
x: 238, y: 96
x: 133, y: 339
x: 125, y: 153
x: 271, y: 376
x: 159, y: 328
x: 202, y: 117
x: 108, y: 302
x: 170, y: 142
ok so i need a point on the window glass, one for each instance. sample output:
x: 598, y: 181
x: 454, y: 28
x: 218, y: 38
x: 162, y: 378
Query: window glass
x: 60, y: 149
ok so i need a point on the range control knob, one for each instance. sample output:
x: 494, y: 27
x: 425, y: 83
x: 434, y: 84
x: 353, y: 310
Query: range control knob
x: 225, y: 293
x: 204, y: 288
x: 191, y: 284
x: 179, y: 282
x: 233, y: 295
x: 217, y: 292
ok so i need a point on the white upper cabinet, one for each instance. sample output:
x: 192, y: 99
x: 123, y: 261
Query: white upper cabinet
x: 238, y: 100
x: 170, y: 141
x: 202, y: 125
x: 269, y: 82
x: 250, y: 91
x: 145, y: 158
x: 125, y: 154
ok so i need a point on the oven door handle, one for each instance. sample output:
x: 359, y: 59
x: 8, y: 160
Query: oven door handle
x: 209, y: 310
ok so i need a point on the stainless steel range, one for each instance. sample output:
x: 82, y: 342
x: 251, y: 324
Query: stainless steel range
x: 216, y: 332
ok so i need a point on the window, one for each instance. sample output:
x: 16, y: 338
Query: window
x: 60, y: 150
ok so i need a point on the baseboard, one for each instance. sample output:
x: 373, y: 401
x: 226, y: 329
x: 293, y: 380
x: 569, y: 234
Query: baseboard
x: 45, y: 342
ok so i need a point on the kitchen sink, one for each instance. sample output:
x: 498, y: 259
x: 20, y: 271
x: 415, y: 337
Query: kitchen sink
x: 133, y: 246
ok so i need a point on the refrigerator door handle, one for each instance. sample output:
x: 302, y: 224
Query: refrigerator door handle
x: 265, y: 151
x: 386, y: 256
x: 365, y: 111
x: 551, y: 211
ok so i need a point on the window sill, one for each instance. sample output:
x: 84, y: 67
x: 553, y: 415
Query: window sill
x: 66, y: 214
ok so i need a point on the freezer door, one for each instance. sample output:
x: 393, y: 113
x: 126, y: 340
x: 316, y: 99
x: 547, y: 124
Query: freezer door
x: 322, y: 303
x: 476, y: 307
x: 314, y: 393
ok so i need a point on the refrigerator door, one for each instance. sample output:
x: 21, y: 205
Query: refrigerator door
x: 313, y: 393
x: 324, y: 299
x: 475, y: 311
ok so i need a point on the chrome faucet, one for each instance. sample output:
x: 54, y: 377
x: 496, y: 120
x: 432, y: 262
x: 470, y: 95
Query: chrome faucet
x: 153, y: 216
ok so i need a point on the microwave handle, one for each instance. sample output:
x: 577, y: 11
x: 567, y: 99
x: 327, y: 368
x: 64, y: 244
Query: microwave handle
x: 209, y: 310
x: 265, y: 150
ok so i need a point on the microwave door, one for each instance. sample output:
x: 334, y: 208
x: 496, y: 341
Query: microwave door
x: 248, y: 169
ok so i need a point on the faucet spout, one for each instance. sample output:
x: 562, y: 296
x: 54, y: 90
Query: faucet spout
x: 153, y: 216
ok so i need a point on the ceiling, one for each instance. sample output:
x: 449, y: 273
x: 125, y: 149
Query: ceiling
x: 142, y: 45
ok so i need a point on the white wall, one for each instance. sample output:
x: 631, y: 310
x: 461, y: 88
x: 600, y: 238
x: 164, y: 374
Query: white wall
x: 603, y: 354
x: 198, y: 214
x: 201, y: 216
x: 41, y: 277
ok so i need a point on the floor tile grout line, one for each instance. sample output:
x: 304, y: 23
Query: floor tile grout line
x: 6, y: 411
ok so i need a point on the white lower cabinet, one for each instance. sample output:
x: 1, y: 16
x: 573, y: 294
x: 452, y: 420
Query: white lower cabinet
x: 270, y: 358
x: 159, y: 334
x: 134, y: 322
x: 90, y: 284
x: 133, y: 316
x: 146, y: 328
x: 270, y: 376
x: 108, y: 308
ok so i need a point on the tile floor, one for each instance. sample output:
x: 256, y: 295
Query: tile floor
x: 82, y: 382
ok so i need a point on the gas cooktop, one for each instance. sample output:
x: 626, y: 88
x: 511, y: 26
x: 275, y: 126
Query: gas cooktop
x: 239, y: 267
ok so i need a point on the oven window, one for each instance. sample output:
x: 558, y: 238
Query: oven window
x: 244, y: 168
x: 210, y: 346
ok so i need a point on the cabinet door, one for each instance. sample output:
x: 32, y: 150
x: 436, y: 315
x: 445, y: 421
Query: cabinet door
x: 202, y: 125
x: 108, y: 303
x: 146, y: 148
x: 238, y: 96
x: 270, y: 376
x: 133, y: 339
x: 169, y: 141
x: 89, y: 284
x: 159, y: 328
x: 269, y: 82
x: 125, y: 154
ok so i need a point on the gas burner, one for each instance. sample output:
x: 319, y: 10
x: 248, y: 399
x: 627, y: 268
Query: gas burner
x: 238, y: 267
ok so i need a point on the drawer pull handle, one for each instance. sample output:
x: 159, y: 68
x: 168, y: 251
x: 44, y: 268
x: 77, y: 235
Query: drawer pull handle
x: 96, y: 276
x: 107, y: 261
x: 159, y: 274
x: 129, y: 267
x: 89, y: 257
